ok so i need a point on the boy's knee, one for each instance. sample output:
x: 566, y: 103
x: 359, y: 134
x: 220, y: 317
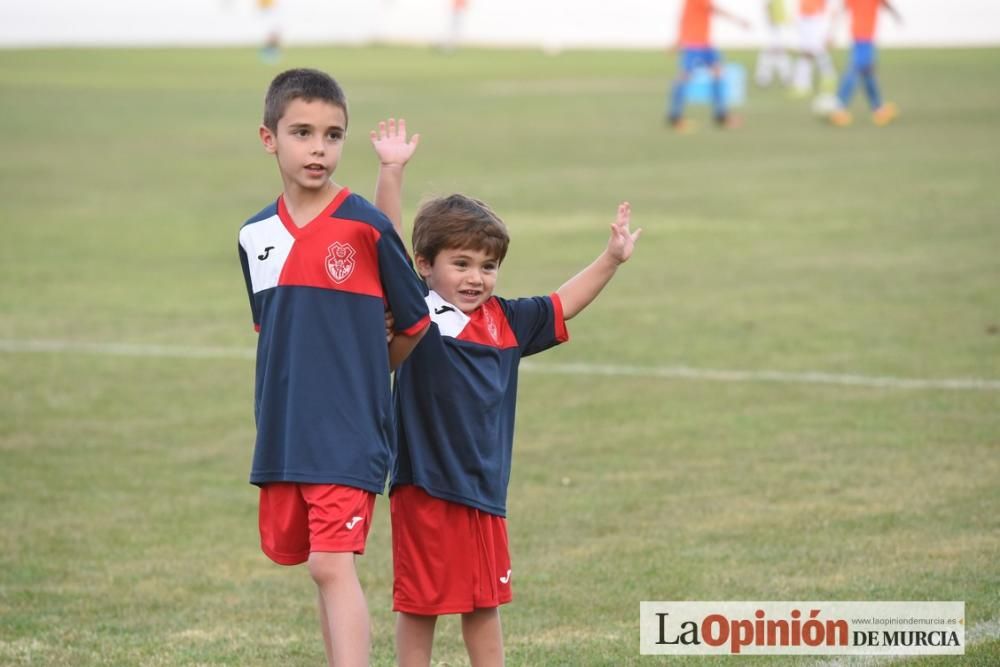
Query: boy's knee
x: 329, y: 568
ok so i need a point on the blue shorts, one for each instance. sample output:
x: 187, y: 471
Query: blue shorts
x: 692, y: 58
x: 863, y: 55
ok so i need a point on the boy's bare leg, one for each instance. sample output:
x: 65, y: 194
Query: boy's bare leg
x: 343, y: 610
x: 483, y: 637
x: 414, y: 639
x: 324, y: 624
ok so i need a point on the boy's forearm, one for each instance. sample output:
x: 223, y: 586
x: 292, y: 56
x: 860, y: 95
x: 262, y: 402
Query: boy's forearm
x: 719, y: 11
x: 389, y: 194
x: 580, y: 290
x: 401, y: 347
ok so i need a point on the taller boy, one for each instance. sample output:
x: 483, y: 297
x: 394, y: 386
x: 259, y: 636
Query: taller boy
x: 321, y: 266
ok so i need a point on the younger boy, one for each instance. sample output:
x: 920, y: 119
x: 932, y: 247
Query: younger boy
x: 864, y: 18
x: 321, y: 265
x: 454, y: 402
x: 697, y: 51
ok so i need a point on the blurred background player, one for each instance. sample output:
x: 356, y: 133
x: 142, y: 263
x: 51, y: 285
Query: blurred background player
x: 456, y: 21
x: 773, y: 61
x: 270, y: 52
x: 696, y: 50
x: 864, y: 19
x: 814, y: 36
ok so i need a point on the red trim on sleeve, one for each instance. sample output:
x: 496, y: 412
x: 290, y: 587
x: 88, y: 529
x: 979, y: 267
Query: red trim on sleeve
x: 256, y: 328
x: 562, y: 333
x: 418, y: 327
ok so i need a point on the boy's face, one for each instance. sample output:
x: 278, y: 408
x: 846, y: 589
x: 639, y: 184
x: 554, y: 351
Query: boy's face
x: 307, y: 142
x: 463, y: 277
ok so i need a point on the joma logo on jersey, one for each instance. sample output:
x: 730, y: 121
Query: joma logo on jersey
x: 340, y: 262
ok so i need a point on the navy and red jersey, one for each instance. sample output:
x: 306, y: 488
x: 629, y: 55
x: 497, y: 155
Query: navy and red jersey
x: 318, y: 295
x: 455, y: 395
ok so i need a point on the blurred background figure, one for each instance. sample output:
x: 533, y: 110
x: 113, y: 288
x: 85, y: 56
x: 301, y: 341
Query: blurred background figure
x: 696, y: 50
x: 864, y: 20
x: 814, y: 53
x: 270, y: 52
x: 774, y: 61
x: 456, y: 21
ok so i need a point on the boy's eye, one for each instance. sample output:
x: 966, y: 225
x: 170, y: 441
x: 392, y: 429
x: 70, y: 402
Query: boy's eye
x: 336, y: 136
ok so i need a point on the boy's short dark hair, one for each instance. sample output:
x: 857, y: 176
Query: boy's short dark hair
x: 458, y: 222
x: 303, y: 83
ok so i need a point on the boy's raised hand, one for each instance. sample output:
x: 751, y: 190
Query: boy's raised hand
x: 622, y: 241
x: 390, y: 142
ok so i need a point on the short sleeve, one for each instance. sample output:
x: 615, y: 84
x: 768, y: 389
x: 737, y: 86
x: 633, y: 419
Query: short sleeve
x: 404, y: 291
x: 537, y: 322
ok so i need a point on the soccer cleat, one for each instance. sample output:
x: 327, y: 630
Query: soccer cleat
x: 841, y: 118
x: 885, y: 114
x: 728, y: 121
x: 682, y: 125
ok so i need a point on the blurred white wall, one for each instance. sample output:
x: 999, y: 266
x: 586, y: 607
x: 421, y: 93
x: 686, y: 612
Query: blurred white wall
x: 533, y: 23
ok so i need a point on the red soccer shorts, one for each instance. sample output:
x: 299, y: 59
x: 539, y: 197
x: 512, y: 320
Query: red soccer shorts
x: 297, y: 519
x: 446, y: 558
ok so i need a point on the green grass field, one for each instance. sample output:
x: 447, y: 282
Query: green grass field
x: 785, y: 247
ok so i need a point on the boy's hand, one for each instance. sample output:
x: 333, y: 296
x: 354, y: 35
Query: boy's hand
x: 390, y: 325
x: 622, y: 241
x: 390, y: 142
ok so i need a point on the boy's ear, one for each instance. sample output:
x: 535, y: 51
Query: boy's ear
x: 423, y: 266
x: 267, y: 138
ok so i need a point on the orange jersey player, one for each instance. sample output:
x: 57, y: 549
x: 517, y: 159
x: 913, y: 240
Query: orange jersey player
x: 694, y: 42
x: 864, y: 21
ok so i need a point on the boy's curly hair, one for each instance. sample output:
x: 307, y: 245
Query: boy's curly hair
x: 458, y: 222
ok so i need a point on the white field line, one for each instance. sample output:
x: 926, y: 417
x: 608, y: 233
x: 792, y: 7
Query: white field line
x: 126, y: 349
x: 610, y: 370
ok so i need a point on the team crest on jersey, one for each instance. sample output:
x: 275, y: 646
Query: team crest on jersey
x: 340, y: 262
x: 491, y: 325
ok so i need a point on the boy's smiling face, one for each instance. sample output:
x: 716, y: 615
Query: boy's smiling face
x: 308, y: 142
x: 462, y: 276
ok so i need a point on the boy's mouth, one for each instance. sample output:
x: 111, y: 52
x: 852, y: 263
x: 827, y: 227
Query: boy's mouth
x: 315, y: 168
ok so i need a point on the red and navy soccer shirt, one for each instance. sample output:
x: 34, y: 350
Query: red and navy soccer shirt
x: 455, y: 395
x: 318, y: 295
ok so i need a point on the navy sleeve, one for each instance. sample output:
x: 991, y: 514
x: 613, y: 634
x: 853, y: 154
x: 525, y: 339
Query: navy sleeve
x: 404, y: 291
x: 537, y: 322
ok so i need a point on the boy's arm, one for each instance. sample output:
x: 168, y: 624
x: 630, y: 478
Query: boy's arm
x: 584, y: 287
x: 892, y: 10
x: 393, y: 151
x: 738, y: 20
x: 401, y: 346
